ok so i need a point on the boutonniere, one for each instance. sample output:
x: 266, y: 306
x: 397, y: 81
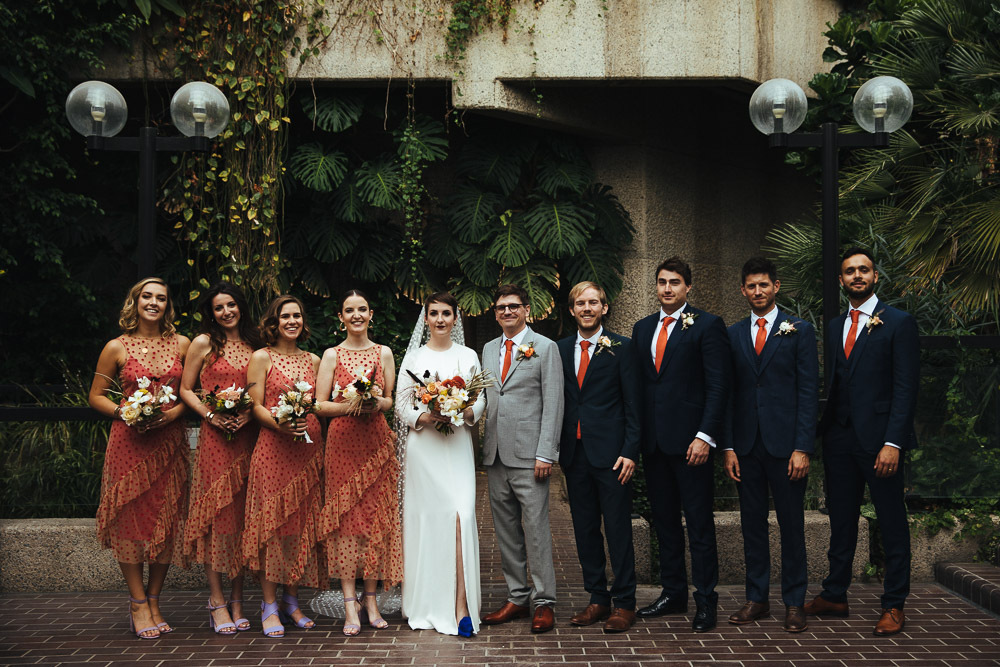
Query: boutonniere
x: 874, y: 321
x: 687, y: 319
x: 526, y: 350
x: 605, y: 343
x: 786, y: 328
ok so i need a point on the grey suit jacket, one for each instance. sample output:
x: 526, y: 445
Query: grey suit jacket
x: 524, y: 413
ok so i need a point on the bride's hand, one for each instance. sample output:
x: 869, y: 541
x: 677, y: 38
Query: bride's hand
x: 429, y: 419
x: 469, y: 416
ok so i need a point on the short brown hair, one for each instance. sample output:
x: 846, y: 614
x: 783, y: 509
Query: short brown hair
x: 511, y: 289
x: 581, y: 287
x: 269, y: 323
x: 675, y: 265
x: 128, y: 318
x: 442, y: 297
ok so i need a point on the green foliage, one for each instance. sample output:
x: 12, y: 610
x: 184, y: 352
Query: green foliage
x: 470, y: 18
x: 318, y: 169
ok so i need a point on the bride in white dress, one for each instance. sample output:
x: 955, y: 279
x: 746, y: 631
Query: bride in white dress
x: 441, y: 588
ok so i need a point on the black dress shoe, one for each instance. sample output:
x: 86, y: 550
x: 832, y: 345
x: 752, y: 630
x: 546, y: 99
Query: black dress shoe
x: 662, y: 606
x: 704, y: 619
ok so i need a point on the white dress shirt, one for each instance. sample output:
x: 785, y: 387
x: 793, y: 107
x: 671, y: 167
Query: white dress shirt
x: 771, y: 316
x: 867, y: 309
x: 670, y: 330
x: 590, y: 351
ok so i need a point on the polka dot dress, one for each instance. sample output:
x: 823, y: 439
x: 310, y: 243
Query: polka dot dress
x: 360, y: 521
x: 285, y: 490
x: 218, y: 485
x: 144, y: 483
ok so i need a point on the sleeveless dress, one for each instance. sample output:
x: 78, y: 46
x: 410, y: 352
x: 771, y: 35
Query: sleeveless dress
x: 285, y: 490
x: 218, y: 486
x: 360, y: 521
x: 144, y: 483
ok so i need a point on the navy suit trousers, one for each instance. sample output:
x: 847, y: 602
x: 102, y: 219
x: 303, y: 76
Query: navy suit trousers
x: 848, y: 468
x: 758, y: 472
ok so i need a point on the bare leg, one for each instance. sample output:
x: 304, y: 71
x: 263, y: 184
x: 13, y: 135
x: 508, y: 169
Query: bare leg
x: 141, y: 615
x: 352, y: 610
x: 297, y: 614
x: 217, y: 598
x: 157, y: 575
x: 371, y: 604
x: 269, y: 591
x: 236, y: 608
x: 461, y: 602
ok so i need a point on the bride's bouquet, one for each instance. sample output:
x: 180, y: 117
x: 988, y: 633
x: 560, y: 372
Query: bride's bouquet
x: 449, y: 397
x: 362, y: 389
x: 229, y: 401
x: 294, y: 403
x: 146, y: 402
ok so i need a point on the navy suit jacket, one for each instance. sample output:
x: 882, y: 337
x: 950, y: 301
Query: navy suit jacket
x: 777, y: 393
x: 882, y: 375
x: 605, y: 406
x: 690, y: 392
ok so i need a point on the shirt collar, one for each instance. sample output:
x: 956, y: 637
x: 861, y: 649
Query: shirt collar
x: 868, y: 307
x: 676, y: 314
x: 518, y: 337
x: 593, y: 339
x: 771, y: 316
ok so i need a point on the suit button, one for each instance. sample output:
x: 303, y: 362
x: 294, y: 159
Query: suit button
x: 501, y: 393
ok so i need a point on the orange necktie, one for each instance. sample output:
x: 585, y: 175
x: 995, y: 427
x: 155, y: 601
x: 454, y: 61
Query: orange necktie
x: 661, y: 341
x: 758, y: 343
x: 506, y: 360
x: 852, y: 333
x: 582, y: 372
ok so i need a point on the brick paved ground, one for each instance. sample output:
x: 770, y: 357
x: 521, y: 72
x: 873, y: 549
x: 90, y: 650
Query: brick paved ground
x: 91, y: 629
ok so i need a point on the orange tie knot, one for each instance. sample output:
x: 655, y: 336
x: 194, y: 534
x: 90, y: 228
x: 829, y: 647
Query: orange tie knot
x: 762, y: 322
x: 584, y: 344
x: 855, y: 314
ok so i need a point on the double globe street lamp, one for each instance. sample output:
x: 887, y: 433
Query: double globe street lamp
x: 881, y: 106
x: 98, y: 111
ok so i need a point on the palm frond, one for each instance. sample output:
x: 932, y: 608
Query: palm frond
x: 559, y: 228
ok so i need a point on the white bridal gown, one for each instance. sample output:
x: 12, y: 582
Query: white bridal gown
x: 440, y: 485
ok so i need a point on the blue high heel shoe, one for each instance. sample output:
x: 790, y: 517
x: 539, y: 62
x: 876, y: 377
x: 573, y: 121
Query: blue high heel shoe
x: 465, y: 627
x: 291, y: 605
x: 267, y: 610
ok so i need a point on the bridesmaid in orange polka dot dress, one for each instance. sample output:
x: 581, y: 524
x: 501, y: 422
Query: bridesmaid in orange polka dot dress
x: 217, y: 359
x: 144, y: 483
x: 285, y: 488
x: 360, y: 521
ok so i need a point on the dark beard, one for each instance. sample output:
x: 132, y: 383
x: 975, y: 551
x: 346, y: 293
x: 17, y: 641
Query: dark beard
x: 868, y: 291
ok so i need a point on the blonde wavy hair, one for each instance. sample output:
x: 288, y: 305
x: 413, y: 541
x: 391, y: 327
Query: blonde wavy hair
x: 128, y: 319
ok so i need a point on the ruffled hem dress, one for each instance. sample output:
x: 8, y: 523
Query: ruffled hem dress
x: 216, y: 515
x: 144, y: 482
x: 285, y: 490
x: 360, y: 522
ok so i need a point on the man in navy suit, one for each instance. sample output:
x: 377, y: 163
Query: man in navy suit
x: 867, y: 427
x: 774, y: 406
x: 598, y: 450
x: 682, y: 369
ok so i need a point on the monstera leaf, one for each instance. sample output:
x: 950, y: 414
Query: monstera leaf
x: 471, y: 210
x: 472, y: 299
x: 310, y: 274
x: 414, y: 281
x: 479, y: 268
x: 330, y: 240
x: 561, y: 177
x: 491, y: 165
x: 378, y: 183
x: 441, y: 246
x: 347, y: 202
x: 559, y: 228
x: 317, y: 169
x: 333, y: 112
x: 372, y: 260
x: 429, y: 141
x: 512, y: 246
x: 611, y: 220
x: 599, y: 263
x: 540, y: 280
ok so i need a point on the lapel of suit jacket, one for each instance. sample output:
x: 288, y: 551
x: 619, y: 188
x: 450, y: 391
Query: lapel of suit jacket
x: 644, y: 339
x: 490, y: 353
x: 567, y: 351
x: 675, y: 335
x: 859, y: 342
x: 515, y: 362
x: 838, y: 340
x: 743, y: 340
x: 772, y: 343
x: 595, y: 358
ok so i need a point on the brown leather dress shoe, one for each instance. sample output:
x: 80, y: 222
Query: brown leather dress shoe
x: 795, y: 619
x: 750, y: 612
x: 620, y: 620
x: 544, y: 619
x: 506, y: 613
x: 892, y: 621
x: 592, y: 614
x: 820, y: 606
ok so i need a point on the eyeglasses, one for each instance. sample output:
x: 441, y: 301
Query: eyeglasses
x: 512, y: 307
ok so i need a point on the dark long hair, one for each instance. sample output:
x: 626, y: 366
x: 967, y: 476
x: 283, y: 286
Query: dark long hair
x: 216, y: 335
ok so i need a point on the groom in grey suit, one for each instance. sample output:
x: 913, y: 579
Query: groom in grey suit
x: 524, y: 412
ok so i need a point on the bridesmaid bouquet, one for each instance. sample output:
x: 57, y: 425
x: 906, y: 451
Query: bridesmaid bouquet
x: 450, y: 397
x: 229, y: 401
x: 146, y: 402
x: 295, y: 402
x: 356, y: 393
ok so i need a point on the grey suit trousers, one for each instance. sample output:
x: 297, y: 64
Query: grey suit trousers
x: 520, y: 507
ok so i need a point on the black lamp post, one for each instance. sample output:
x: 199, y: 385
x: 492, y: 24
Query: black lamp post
x: 98, y: 111
x: 881, y: 106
